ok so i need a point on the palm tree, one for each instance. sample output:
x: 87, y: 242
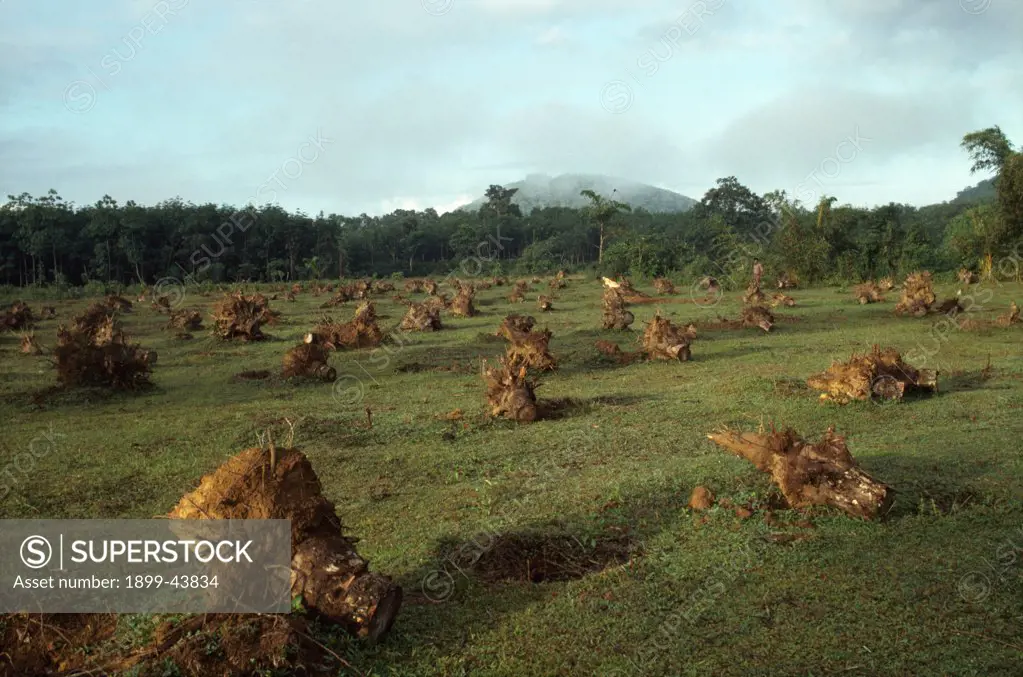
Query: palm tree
x: 602, y: 211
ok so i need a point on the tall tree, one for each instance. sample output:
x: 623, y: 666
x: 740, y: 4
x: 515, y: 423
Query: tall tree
x: 602, y: 212
x: 988, y: 148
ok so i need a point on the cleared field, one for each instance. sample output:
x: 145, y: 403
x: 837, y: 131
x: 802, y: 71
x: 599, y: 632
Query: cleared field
x: 565, y: 546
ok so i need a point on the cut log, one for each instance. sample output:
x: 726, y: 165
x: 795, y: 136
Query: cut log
x: 663, y: 340
x: 333, y: 581
x: 879, y: 374
x: 811, y: 474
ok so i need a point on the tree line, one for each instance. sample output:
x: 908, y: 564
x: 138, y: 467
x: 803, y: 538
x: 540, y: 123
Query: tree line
x: 46, y: 240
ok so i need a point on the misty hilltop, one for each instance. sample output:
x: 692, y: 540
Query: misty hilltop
x: 541, y: 190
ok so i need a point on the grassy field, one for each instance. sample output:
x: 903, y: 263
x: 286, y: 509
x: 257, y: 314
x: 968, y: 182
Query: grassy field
x: 456, y: 510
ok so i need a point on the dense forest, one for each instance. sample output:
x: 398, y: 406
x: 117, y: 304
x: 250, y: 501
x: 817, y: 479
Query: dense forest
x: 47, y: 241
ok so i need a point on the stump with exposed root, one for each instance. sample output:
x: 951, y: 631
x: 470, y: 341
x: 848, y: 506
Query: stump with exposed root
x: 868, y: 292
x: 185, y: 320
x: 16, y: 318
x: 880, y: 374
x: 809, y: 474
x: 780, y: 299
x: 361, y: 332
x: 544, y: 303
x: 787, y: 280
x: 753, y: 295
x: 513, y: 324
x: 327, y: 573
x: 967, y: 277
x: 308, y: 359
x: 756, y: 316
x: 663, y: 340
x: 100, y: 354
x: 461, y: 305
x: 29, y: 345
x: 510, y: 391
x: 530, y: 348
x: 664, y: 286
x: 421, y: 317
x: 616, y: 315
x: 917, y: 295
x: 1011, y: 317
x: 237, y: 316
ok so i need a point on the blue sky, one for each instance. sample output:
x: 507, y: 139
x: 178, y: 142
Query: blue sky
x: 421, y: 103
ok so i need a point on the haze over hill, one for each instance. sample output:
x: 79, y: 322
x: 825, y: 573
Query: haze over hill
x: 542, y: 190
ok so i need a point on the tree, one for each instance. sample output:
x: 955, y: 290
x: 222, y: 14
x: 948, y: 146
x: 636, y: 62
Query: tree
x: 602, y: 212
x: 988, y: 148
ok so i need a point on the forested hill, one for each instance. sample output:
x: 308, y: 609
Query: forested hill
x: 537, y: 191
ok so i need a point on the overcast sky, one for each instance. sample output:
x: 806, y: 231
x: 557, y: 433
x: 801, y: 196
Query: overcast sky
x: 367, y: 106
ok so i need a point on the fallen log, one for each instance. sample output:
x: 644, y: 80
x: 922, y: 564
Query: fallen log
x: 879, y: 374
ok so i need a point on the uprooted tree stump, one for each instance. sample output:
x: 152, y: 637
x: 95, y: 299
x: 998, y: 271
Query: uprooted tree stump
x: 512, y: 324
x: 917, y: 295
x: 510, y: 391
x: 530, y: 348
x: 30, y: 346
x: 17, y: 317
x: 967, y: 277
x: 339, y: 298
x: 868, y: 292
x: 333, y: 581
x: 361, y: 332
x: 886, y: 284
x: 237, y: 316
x: 383, y: 287
x: 663, y: 340
x: 101, y: 355
x: 437, y: 302
x: 557, y: 283
x: 118, y: 303
x: 615, y: 315
x: 421, y: 317
x: 753, y: 295
x: 879, y: 374
x: 308, y: 359
x: 664, y: 286
x: 811, y: 474
x: 756, y: 316
x: 544, y: 303
x: 1011, y: 317
x: 950, y: 307
x: 780, y: 299
x: 185, y: 320
x: 787, y: 280
x: 461, y: 305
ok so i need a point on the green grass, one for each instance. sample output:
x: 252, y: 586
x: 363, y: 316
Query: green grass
x: 707, y: 594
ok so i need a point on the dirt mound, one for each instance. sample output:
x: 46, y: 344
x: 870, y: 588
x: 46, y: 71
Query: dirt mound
x: 615, y: 352
x: 917, y: 295
x: 879, y: 374
x: 663, y: 340
x: 333, y: 581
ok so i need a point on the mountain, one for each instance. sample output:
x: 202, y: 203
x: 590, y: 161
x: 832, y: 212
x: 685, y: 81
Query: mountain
x: 541, y: 190
x: 982, y: 192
